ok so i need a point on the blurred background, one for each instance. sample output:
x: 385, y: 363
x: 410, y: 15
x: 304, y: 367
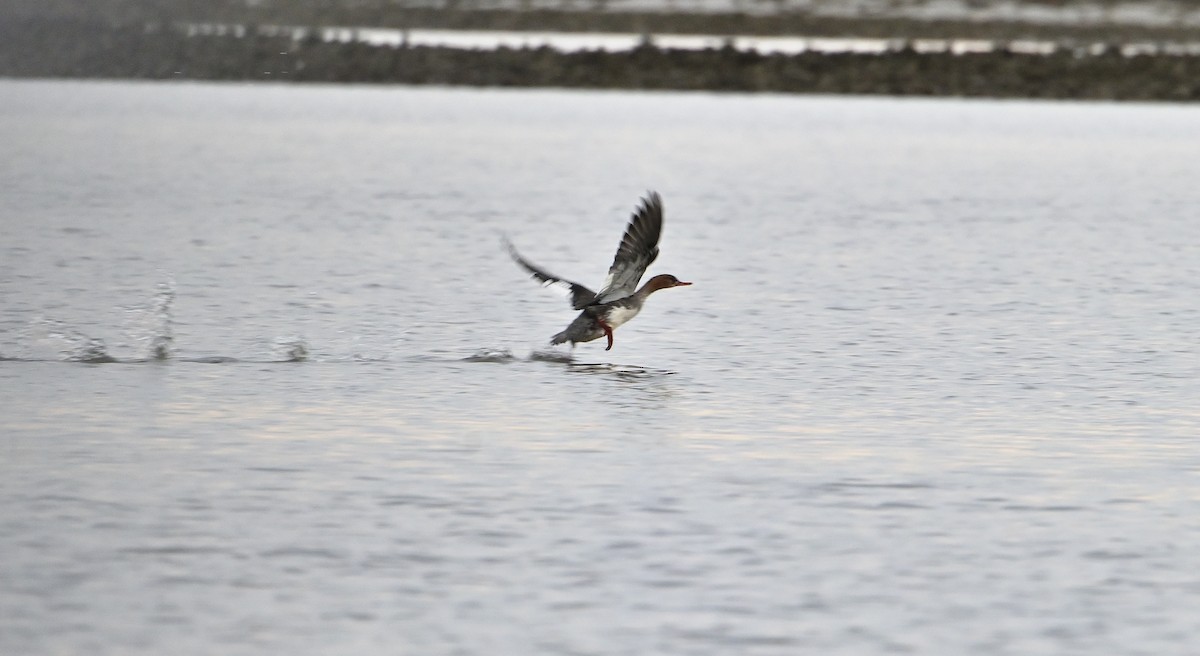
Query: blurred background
x: 1004, y: 48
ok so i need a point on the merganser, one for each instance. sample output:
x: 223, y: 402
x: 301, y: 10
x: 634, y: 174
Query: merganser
x: 617, y: 302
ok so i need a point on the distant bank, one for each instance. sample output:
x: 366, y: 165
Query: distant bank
x: 58, y: 47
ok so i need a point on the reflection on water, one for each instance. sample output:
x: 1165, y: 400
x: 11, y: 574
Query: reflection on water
x: 623, y: 371
x: 300, y: 440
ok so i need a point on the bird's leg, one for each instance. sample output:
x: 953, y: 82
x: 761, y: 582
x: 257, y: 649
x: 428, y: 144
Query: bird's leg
x: 607, y: 332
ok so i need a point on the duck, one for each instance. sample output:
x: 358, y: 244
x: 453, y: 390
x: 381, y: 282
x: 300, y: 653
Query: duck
x: 619, y: 298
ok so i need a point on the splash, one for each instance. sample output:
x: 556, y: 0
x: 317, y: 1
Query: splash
x: 163, y: 341
x: 67, y: 344
x: 93, y: 351
x: 147, y: 336
x: 289, y: 349
x: 490, y: 355
x: 149, y: 327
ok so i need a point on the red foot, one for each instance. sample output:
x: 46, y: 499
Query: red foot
x: 607, y: 333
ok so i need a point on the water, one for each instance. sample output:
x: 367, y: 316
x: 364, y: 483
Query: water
x: 268, y: 384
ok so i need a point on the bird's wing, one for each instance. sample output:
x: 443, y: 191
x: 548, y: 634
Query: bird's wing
x: 581, y: 296
x: 639, y: 248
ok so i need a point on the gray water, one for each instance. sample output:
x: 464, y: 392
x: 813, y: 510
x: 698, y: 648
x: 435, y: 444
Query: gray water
x: 271, y: 384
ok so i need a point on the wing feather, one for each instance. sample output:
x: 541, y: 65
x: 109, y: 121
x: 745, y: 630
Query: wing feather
x: 638, y: 250
x: 581, y: 296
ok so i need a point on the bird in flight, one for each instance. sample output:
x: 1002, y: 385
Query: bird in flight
x: 617, y: 301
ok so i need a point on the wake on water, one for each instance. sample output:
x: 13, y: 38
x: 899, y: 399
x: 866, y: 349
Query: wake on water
x: 149, y: 336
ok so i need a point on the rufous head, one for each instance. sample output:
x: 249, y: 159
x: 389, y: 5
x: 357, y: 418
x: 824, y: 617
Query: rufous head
x: 665, y: 280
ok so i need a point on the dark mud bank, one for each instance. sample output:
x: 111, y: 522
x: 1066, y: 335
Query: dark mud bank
x: 91, y: 49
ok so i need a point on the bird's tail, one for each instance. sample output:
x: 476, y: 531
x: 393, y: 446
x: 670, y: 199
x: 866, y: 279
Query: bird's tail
x: 560, y: 338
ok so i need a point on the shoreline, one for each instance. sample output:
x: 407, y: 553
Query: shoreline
x: 86, y: 49
x: 624, y: 42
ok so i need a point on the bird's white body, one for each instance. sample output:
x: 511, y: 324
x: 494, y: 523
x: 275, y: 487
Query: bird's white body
x: 620, y: 314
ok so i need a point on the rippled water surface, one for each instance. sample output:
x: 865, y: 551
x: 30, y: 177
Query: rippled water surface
x: 267, y: 382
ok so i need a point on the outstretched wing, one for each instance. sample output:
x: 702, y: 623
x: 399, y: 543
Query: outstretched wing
x: 639, y: 248
x: 581, y: 296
